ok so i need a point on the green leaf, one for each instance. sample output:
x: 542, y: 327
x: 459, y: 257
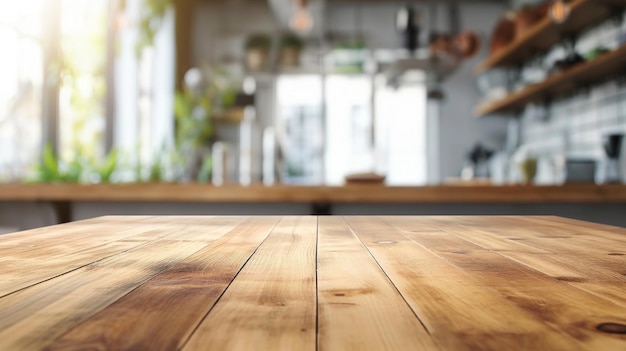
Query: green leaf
x: 156, y: 171
x: 110, y: 163
x: 74, y: 172
x: 204, y: 175
x: 182, y: 105
x: 50, y: 165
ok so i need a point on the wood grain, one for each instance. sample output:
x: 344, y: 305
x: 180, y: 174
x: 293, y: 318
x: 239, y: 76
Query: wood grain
x: 351, y: 286
x: 33, y: 317
x: 90, y: 241
x: 165, y: 310
x: 569, y: 193
x: 272, y: 303
x: 599, y: 269
x: 309, y: 283
x: 552, y: 300
x: 72, y: 247
x: 431, y: 284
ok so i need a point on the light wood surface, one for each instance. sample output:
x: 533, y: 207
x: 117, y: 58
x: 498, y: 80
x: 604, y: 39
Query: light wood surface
x: 362, y: 193
x: 307, y: 283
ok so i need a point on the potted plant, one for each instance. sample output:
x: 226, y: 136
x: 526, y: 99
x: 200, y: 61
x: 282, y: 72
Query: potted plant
x: 257, y: 51
x: 206, y: 93
x: 290, y: 49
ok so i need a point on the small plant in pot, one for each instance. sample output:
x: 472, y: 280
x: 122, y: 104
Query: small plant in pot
x: 257, y: 51
x: 206, y: 92
x: 290, y: 49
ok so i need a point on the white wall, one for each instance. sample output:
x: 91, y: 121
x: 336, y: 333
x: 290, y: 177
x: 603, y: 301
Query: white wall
x: 459, y: 129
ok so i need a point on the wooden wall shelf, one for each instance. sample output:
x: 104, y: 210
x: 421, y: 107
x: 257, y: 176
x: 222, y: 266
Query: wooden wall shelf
x: 580, y: 75
x: 545, y: 34
x: 203, y: 193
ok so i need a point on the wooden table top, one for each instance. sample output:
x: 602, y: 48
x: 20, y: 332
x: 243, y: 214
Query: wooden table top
x: 306, y: 283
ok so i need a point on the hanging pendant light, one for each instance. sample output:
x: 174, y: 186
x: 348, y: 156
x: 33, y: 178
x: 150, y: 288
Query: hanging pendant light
x: 560, y: 11
x: 301, y: 20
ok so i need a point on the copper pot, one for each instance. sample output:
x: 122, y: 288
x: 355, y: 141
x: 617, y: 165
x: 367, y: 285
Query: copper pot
x: 441, y: 45
x: 525, y: 19
x: 503, y: 34
x: 466, y: 44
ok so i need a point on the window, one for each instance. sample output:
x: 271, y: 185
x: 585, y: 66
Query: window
x: 368, y: 126
x: 72, y: 77
x: 21, y: 69
x: 401, y: 130
x: 82, y: 78
x: 299, y: 128
x: 349, y: 147
x: 144, y: 88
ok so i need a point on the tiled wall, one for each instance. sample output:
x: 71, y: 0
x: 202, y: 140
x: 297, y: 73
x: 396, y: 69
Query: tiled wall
x: 574, y: 125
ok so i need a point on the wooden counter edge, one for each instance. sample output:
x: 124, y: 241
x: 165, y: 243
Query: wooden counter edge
x: 165, y: 192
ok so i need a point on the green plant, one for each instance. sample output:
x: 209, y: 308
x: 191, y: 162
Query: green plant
x: 356, y: 44
x: 194, y: 109
x: 108, y: 166
x: 156, y: 171
x: 290, y: 41
x: 48, y: 170
x: 259, y: 42
x: 193, y: 125
x: 52, y: 170
x: 205, y: 170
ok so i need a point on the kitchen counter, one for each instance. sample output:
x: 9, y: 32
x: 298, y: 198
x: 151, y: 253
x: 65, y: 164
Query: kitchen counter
x: 24, y: 206
x: 164, y: 192
x: 307, y: 283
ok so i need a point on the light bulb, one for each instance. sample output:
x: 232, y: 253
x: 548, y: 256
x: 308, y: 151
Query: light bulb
x: 301, y: 21
x: 559, y: 11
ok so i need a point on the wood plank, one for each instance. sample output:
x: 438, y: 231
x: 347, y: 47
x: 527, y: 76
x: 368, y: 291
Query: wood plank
x: 597, y: 272
x: 272, y: 303
x: 580, y: 223
x: 72, y: 243
x: 24, y: 240
x: 597, y: 232
x: 476, y: 316
x: 551, y: 300
x: 555, y: 241
x: 54, y: 256
x: 351, y: 287
x: 61, y: 251
x: 513, y: 194
x: 453, y: 283
x: 181, y: 296
x: 15, y: 277
x: 31, y: 318
x: 193, y: 228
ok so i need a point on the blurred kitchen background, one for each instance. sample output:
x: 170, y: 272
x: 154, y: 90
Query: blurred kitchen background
x: 312, y: 92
